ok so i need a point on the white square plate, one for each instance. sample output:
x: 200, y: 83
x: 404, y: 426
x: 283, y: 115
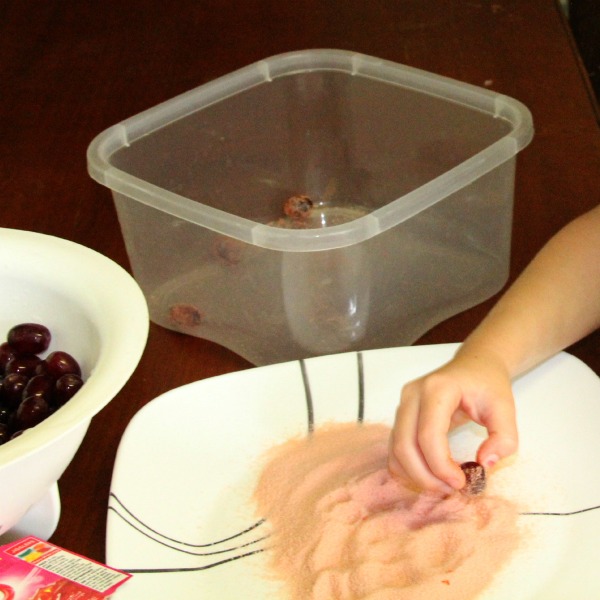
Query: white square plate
x: 181, y: 515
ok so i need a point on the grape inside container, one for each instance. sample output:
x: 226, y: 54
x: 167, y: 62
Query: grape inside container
x: 411, y: 176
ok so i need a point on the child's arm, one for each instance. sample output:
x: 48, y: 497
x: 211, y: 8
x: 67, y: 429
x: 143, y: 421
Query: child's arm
x: 554, y: 303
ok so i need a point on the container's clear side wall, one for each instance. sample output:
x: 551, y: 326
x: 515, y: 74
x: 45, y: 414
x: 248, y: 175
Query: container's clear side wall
x: 271, y: 306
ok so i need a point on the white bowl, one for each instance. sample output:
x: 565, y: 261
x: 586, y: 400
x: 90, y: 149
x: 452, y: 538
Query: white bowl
x: 97, y: 313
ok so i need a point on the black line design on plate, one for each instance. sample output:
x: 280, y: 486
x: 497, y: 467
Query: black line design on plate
x: 170, y: 539
x: 560, y: 514
x: 308, y: 396
x: 236, y: 551
x: 181, y: 550
x: 192, y: 569
x: 361, y: 387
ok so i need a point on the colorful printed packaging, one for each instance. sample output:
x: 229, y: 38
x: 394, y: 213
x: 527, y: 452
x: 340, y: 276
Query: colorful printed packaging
x: 32, y: 569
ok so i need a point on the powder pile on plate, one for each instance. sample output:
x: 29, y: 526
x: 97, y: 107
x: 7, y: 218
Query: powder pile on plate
x: 344, y: 529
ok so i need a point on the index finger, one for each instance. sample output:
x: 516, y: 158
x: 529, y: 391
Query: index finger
x: 437, y: 409
x: 407, y: 458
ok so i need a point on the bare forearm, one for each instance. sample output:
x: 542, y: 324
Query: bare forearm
x: 554, y: 303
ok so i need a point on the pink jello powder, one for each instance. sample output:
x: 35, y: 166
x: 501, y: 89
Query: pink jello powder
x: 344, y: 529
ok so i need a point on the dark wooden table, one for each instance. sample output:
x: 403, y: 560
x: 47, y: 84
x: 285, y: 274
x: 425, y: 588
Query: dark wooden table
x: 71, y: 68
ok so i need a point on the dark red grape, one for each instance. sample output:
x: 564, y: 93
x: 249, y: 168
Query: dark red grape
x: 475, y: 478
x: 39, y: 385
x: 66, y: 387
x: 4, y: 433
x: 57, y: 364
x: 6, y: 353
x: 5, y: 415
x: 12, y: 389
x: 32, y: 388
x: 25, y: 364
x: 29, y: 338
x: 31, y: 411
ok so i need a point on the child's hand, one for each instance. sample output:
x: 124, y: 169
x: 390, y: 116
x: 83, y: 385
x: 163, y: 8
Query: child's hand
x: 473, y: 386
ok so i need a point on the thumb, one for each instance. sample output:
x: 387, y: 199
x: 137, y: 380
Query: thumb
x: 503, y: 438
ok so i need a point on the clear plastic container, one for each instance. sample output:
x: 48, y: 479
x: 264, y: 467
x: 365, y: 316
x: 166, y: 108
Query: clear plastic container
x: 411, y: 179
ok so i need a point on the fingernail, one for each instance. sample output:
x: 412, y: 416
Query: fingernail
x: 491, y: 461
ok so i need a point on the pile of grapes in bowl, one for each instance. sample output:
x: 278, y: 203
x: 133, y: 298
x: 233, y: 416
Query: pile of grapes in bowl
x: 32, y: 386
x: 73, y: 327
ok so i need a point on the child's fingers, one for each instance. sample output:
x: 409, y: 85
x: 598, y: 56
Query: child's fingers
x: 413, y: 446
x: 503, y: 437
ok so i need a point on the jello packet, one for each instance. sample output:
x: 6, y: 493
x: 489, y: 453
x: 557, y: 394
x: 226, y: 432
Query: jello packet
x: 33, y: 569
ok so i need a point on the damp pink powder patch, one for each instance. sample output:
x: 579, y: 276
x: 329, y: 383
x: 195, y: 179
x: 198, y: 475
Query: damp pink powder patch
x: 344, y: 529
